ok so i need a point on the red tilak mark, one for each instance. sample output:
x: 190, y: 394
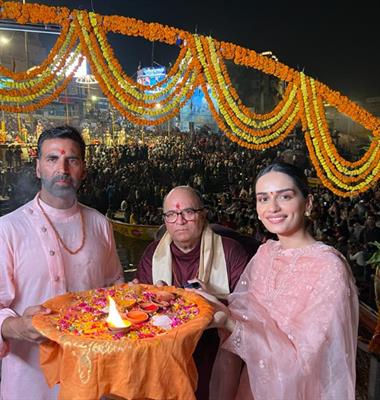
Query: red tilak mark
x: 177, y: 205
x: 63, y: 152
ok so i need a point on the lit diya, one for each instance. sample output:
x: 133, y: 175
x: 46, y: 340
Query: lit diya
x: 114, y: 320
x: 86, y: 314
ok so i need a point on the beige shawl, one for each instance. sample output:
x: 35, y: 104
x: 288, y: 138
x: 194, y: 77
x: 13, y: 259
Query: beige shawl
x: 212, y: 263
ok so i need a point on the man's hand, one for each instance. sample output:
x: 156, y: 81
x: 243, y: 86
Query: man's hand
x: 21, y: 328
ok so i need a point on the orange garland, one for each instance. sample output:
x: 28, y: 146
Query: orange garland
x: 108, y: 77
x: 19, y: 76
x: 238, y: 123
x: 336, y: 173
x: 105, y: 85
x: 115, y: 63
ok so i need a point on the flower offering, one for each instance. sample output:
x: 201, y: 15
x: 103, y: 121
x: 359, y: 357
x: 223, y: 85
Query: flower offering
x: 124, y: 312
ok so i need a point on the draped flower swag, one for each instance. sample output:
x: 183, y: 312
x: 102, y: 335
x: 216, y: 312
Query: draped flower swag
x: 200, y: 63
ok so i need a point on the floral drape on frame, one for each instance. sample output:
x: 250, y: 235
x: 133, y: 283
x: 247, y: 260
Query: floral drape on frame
x: 201, y: 62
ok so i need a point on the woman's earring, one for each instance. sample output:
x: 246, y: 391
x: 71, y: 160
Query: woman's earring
x: 307, y: 213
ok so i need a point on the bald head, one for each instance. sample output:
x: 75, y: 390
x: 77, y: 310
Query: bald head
x: 186, y: 192
x: 185, y: 233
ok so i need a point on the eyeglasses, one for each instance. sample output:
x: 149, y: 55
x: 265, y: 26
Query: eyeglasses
x: 188, y: 214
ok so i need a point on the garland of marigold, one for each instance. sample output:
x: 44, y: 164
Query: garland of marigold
x: 34, y: 13
x: 318, y: 133
x: 224, y: 105
x: 231, y: 96
x: 329, y: 180
x: 321, y: 160
x: 97, y: 24
x: 367, y: 162
x: 43, y: 102
x: 236, y: 126
x: 338, y: 170
x: 33, y: 94
x: 174, y: 76
x: 241, y: 137
x: 125, y: 97
x: 117, y: 97
x: 35, y: 85
x: 53, y: 54
x: 138, y: 107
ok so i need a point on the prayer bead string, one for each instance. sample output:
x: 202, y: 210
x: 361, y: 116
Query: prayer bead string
x: 72, y: 252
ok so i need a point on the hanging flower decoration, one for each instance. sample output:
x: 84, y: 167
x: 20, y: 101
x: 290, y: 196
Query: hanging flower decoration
x: 153, y: 111
x: 200, y: 63
x: 273, y: 130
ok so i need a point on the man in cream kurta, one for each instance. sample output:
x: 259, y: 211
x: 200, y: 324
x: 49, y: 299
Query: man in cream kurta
x: 49, y: 246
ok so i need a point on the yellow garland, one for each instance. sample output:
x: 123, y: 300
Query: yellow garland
x: 42, y: 102
x: 200, y: 62
x: 137, y: 105
x: 59, y: 66
x: 247, y: 142
x: 326, y: 169
x: 341, y: 163
x: 120, y: 97
x: 53, y: 54
x: 226, y: 86
x: 330, y: 179
x: 316, y: 129
x: 174, y: 77
x: 57, y: 77
x: 329, y: 150
x: 97, y: 23
x: 236, y: 124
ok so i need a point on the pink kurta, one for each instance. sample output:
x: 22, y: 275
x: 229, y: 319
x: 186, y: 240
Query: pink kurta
x: 34, y: 268
x: 297, y: 320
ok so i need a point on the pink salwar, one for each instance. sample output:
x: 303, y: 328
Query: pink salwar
x: 296, y: 313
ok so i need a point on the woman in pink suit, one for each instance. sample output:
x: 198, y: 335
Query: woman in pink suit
x: 290, y: 329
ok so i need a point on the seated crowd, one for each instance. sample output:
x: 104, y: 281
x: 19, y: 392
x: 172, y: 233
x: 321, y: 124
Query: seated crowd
x: 288, y: 301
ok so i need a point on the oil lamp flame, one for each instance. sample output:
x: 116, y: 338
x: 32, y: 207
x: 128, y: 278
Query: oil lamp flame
x: 114, y: 318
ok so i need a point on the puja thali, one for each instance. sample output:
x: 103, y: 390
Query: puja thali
x: 91, y: 353
x: 147, y: 311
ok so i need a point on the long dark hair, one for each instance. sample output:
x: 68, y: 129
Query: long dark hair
x: 296, y: 174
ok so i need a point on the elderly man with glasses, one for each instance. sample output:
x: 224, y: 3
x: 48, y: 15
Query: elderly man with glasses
x: 191, y: 250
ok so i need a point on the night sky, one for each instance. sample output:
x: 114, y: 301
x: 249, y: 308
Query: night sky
x: 332, y: 41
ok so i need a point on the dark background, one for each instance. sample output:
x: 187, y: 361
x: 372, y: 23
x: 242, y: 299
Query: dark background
x: 334, y: 42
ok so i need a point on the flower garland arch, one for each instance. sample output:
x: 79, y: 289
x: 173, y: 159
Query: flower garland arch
x: 200, y: 63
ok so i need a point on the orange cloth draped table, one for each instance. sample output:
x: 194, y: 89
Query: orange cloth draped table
x: 159, y: 367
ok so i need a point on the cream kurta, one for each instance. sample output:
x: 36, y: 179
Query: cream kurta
x: 34, y: 268
x: 297, y: 320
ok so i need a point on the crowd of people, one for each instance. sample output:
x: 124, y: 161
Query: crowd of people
x: 296, y: 295
x: 135, y: 177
